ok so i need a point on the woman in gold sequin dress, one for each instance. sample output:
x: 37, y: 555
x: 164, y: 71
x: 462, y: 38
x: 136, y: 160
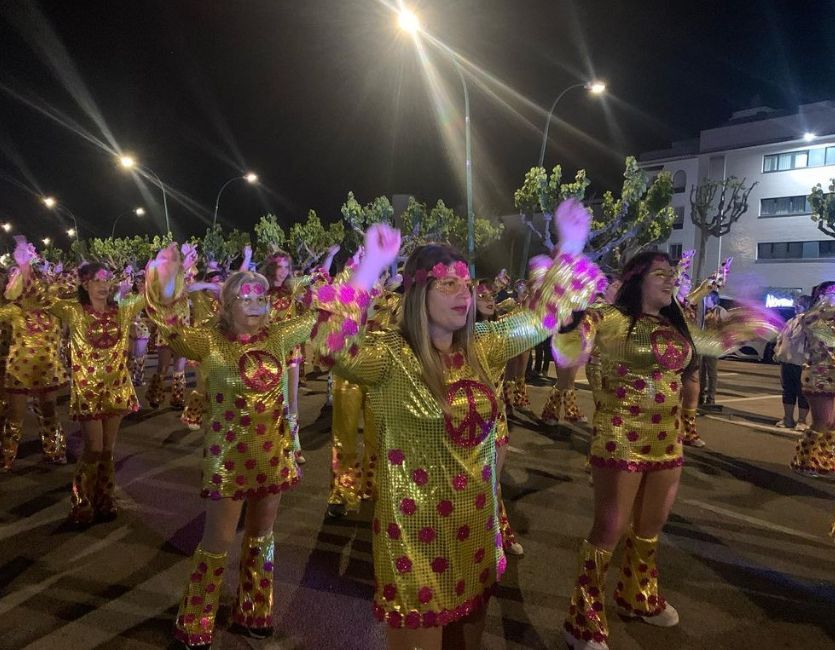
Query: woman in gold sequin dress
x: 34, y: 368
x: 815, y: 454
x: 248, y: 445
x: 436, y: 541
x: 643, y: 345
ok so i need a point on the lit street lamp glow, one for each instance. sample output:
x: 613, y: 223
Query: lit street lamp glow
x: 49, y: 202
x: 808, y: 136
x: 130, y: 163
x: 139, y: 212
x: 7, y: 227
x: 596, y: 87
x: 249, y: 177
x: 408, y: 22
x: 46, y: 241
x: 71, y: 232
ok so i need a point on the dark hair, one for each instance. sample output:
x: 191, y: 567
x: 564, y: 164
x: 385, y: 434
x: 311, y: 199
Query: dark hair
x: 272, y: 264
x: 87, y: 272
x: 819, y: 290
x: 630, y: 299
x: 479, y: 317
x: 213, y: 273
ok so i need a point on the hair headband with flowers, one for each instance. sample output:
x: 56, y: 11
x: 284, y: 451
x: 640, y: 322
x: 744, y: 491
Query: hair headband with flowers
x: 103, y: 275
x: 457, y: 270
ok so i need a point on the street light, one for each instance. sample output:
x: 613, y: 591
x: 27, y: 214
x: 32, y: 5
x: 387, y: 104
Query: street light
x: 71, y: 232
x: 249, y: 177
x: 594, y: 87
x: 809, y: 136
x: 46, y: 241
x: 7, y: 227
x: 410, y: 23
x: 139, y: 212
x: 52, y: 203
x: 129, y: 163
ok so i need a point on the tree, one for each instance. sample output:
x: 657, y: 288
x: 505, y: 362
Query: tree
x: 823, y: 208
x: 441, y: 224
x: 218, y: 249
x: 716, y: 221
x: 269, y: 236
x: 310, y: 240
x: 641, y: 216
x: 358, y: 218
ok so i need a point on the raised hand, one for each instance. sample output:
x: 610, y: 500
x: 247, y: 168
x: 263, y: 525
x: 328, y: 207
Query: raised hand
x: 382, y: 244
x: 573, y: 223
x: 24, y: 252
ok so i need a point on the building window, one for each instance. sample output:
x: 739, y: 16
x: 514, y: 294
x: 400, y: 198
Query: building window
x: 796, y: 250
x: 675, y: 251
x: 781, y: 162
x: 679, y: 181
x: 785, y: 206
x: 678, y: 222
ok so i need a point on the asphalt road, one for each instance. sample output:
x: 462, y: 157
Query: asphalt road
x: 745, y: 557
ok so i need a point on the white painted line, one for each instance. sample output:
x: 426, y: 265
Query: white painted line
x: 728, y: 374
x: 754, y: 521
x: 768, y: 428
x: 752, y: 398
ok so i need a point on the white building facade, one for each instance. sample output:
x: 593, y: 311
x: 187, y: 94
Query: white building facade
x: 777, y: 248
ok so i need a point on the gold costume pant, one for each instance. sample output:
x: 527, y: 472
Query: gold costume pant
x: 520, y: 397
x: 195, y: 623
x: 178, y: 390
x: 53, y: 440
x: 350, y: 479
x: 12, y: 432
x: 156, y: 391
x: 254, y: 605
x: 815, y: 452
x: 552, y: 408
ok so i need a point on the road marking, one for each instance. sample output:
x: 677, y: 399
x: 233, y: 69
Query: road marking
x: 754, y: 521
x: 748, y: 399
x: 728, y: 374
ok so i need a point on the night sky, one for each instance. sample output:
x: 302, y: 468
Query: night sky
x: 320, y: 97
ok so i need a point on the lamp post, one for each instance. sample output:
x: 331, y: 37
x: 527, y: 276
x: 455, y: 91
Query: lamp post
x: 129, y: 162
x: 137, y: 211
x: 410, y: 23
x: 249, y: 177
x: 594, y: 87
x: 52, y: 204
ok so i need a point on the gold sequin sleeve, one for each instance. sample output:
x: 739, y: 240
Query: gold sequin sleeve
x: 509, y: 336
x: 191, y: 342
x: 295, y: 331
x: 369, y: 363
x: 742, y: 324
x: 819, y: 324
x: 572, y: 348
x: 507, y: 305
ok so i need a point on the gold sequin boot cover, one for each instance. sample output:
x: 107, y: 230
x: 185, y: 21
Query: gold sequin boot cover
x: 689, y: 434
x: 572, y: 411
x: 254, y: 605
x: 345, y: 466
x: 192, y: 415
x: 156, y: 391
x: 12, y: 433
x: 195, y: 623
x: 83, y: 491
x: 53, y: 439
x: 178, y: 390
x: 508, y: 536
x: 637, y: 587
x: 103, y: 502
x: 814, y: 453
x: 520, y: 399
x: 586, y: 619
x: 138, y: 370
x: 551, y: 410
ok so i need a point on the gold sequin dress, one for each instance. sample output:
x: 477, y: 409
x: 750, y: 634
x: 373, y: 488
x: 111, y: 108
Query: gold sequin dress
x: 436, y: 542
x: 34, y: 361
x: 818, y: 377
x: 101, y: 381
x: 637, y: 419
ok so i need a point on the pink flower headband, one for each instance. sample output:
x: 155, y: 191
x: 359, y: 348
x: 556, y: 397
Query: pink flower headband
x: 103, y: 275
x: 248, y: 288
x: 457, y: 270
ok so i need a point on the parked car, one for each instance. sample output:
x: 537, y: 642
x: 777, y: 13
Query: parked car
x: 758, y: 350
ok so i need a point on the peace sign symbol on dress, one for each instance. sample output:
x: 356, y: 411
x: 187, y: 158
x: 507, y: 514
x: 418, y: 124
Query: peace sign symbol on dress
x: 104, y: 331
x: 260, y: 371
x: 669, y: 348
x: 464, y: 396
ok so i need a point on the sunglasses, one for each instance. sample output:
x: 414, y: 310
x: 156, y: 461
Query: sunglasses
x: 452, y: 286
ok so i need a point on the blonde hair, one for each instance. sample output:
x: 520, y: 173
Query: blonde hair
x: 414, y: 323
x: 229, y: 294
